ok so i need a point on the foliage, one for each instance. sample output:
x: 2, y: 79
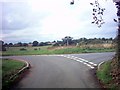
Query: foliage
x: 105, y: 77
x: 64, y: 41
x: 104, y: 73
x: 35, y: 43
x: 23, y: 49
x: 44, y: 43
x: 54, y: 50
x: 67, y: 40
x: 56, y: 44
x: 35, y: 48
x: 97, y: 13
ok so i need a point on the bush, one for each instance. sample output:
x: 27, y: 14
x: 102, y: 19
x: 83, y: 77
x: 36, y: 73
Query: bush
x: 35, y: 48
x: 3, y: 49
x: 23, y: 49
x: 56, y: 44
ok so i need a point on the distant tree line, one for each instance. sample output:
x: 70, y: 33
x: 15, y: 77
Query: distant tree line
x: 66, y: 41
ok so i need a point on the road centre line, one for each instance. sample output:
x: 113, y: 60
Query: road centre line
x: 85, y: 60
x: 84, y: 63
x: 89, y: 64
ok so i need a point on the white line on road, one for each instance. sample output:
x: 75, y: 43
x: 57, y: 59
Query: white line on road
x: 88, y: 63
x: 85, y: 63
x: 100, y: 64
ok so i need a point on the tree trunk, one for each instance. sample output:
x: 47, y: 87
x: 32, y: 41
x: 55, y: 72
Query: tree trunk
x: 67, y: 42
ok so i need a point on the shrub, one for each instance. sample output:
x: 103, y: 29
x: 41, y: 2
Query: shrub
x: 56, y: 44
x: 23, y: 49
x: 35, y: 48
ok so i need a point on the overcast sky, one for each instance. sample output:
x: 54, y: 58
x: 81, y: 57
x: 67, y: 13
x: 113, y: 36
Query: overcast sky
x: 48, y: 20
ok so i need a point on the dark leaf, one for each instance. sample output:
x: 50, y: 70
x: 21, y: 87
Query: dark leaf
x: 93, y: 13
x: 99, y: 8
x: 95, y: 18
x: 72, y: 2
x: 94, y: 10
x: 115, y: 20
x: 91, y: 3
x: 97, y: 22
x: 102, y: 10
x: 98, y: 12
x: 96, y: 2
x: 102, y: 13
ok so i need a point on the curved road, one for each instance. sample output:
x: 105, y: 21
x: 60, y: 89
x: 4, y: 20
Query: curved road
x: 62, y: 71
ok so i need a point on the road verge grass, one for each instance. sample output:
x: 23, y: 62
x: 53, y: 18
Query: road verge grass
x: 10, y: 68
x: 104, y: 76
x: 45, y: 50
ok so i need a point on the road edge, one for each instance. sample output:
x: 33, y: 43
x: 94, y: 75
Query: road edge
x: 19, y: 75
x: 97, y: 68
x: 27, y: 66
x: 100, y: 64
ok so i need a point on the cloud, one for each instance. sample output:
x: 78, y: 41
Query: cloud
x: 14, y: 16
x: 18, y: 16
x: 47, y: 20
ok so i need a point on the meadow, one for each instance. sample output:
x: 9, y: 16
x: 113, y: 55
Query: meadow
x: 41, y: 50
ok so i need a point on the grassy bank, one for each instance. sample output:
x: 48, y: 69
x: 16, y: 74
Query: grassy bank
x: 105, y: 77
x: 53, y: 50
x: 9, y: 68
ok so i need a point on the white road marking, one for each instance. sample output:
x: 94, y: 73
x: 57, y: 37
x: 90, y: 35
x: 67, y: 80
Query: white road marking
x: 88, y: 63
x: 100, y: 64
x: 47, y: 55
x: 93, y: 63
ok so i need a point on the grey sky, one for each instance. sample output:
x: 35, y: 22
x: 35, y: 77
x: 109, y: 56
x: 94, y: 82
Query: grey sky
x: 48, y: 20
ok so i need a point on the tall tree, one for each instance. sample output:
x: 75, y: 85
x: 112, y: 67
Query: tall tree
x: 67, y: 40
x: 10, y: 44
x: 35, y: 43
x: 19, y: 44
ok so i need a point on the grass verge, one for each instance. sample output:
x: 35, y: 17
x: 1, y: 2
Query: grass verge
x: 9, y: 68
x: 44, y: 50
x: 105, y: 77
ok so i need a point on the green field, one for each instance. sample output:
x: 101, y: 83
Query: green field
x: 45, y: 50
x: 9, y: 68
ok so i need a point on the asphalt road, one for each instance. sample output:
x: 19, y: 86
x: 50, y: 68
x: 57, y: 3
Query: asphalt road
x: 62, y: 71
